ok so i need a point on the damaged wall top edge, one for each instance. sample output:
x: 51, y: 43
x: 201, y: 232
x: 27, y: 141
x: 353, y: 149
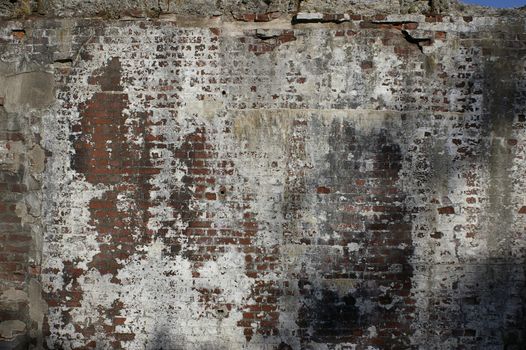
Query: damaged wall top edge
x: 237, y: 9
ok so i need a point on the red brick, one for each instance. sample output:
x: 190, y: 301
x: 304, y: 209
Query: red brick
x: 440, y: 35
x: 411, y: 26
x: 446, y: 210
x: 323, y: 190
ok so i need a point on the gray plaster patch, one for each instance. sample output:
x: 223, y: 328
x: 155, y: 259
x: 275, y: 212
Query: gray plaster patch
x: 10, y: 328
x: 28, y: 90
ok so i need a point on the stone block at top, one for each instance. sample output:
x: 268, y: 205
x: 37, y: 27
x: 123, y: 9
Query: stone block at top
x: 228, y: 9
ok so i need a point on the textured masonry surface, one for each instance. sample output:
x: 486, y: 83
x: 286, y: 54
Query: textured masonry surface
x: 331, y: 181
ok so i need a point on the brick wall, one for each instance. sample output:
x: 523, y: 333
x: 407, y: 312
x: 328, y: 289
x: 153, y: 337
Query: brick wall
x: 235, y: 185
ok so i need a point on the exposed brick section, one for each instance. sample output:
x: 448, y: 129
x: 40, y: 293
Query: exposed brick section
x: 22, y: 160
x: 15, y: 238
x: 105, y: 157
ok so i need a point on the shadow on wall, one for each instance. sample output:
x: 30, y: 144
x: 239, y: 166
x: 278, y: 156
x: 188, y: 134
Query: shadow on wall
x: 19, y: 343
x: 482, y: 299
x: 353, y: 286
x: 163, y: 339
x: 498, y: 294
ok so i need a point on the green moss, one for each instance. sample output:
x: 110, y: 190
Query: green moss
x: 23, y: 9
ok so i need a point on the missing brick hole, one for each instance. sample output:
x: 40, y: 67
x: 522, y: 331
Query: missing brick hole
x: 420, y: 42
x: 262, y: 36
x: 307, y: 17
x: 64, y: 60
x: 221, y: 312
x: 18, y: 33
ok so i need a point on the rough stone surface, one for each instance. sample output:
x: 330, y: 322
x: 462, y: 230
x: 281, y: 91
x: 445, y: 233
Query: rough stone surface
x: 231, y: 8
x: 285, y: 177
x: 8, y: 329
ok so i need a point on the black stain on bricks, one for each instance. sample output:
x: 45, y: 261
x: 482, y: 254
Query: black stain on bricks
x: 329, y: 315
x: 363, y: 177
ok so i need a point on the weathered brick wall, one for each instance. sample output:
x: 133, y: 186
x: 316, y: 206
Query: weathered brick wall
x: 327, y: 182
x: 25, y: 89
